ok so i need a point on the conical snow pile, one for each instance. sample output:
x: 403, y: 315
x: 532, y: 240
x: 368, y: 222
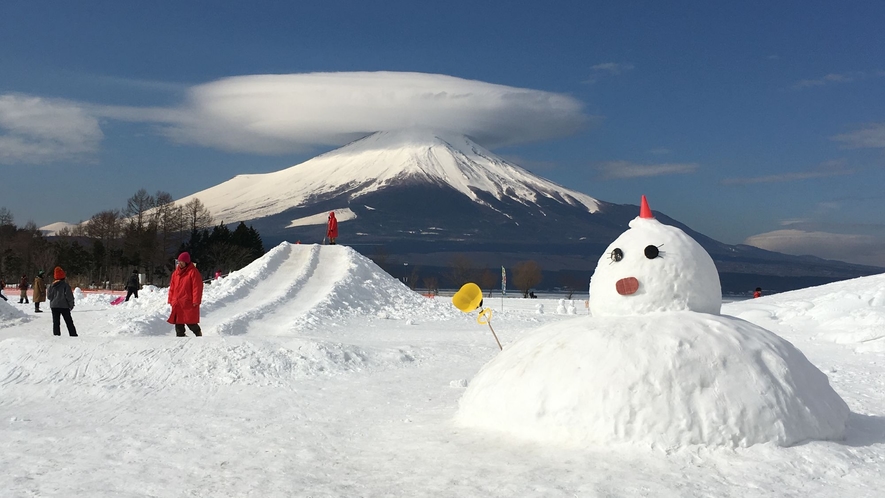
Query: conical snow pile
x: 671, y: 373
x: 292, y: 288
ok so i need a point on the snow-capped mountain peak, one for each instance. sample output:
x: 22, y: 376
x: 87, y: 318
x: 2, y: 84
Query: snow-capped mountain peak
x: 380, y: 160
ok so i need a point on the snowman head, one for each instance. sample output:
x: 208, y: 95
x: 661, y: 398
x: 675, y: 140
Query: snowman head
x: 654, y: 267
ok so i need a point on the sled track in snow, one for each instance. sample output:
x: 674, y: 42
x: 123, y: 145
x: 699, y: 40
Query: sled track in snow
x: 300, y: 279
x: 292, y: 289
x: 108, y: 367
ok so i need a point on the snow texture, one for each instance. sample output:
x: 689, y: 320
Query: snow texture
x: 360, y: 399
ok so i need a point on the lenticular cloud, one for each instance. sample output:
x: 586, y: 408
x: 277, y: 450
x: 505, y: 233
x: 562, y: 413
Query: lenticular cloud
x: 280, y: 113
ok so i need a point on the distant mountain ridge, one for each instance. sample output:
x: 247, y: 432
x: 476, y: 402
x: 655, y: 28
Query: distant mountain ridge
x: 418, y: 197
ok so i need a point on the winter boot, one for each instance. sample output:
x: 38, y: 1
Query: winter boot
x: 37, y: 308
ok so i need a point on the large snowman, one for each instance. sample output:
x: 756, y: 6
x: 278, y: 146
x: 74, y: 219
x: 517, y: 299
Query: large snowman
x: 655, y: 364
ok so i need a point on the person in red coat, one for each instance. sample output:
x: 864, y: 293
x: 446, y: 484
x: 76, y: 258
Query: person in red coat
x: 185, y: 296
x: 332, y: 230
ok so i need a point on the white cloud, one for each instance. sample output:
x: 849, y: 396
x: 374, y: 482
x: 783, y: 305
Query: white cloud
x: 853, y: 248
x: 275, y: 114
x: 872, y: 136
x: 35, y: 130
x: 824, y: 170
x: 281, y: 113
x: 626, y: 169
x: 608, y: 69
x: 613, y: 67
x: 830, y: 79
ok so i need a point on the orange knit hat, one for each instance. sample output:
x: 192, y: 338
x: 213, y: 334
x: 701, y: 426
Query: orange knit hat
x: 58, y: 274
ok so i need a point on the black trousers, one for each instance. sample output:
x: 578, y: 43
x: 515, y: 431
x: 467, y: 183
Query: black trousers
x: 57, y: 315
x: 131, y: 292
x: 195, y: 328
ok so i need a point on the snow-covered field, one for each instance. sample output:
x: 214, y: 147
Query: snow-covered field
x: 319, y: 375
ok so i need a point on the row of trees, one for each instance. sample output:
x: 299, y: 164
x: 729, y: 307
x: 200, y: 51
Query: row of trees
x: 145, y: 235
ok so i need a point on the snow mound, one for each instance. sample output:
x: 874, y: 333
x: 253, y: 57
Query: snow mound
x: 848, y: 312
x: 292, y: 288
x: 11, y: 316
x: 665, y: 269
x: 681, y: 379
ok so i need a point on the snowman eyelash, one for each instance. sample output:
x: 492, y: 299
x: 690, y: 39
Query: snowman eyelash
x: 652, y: 252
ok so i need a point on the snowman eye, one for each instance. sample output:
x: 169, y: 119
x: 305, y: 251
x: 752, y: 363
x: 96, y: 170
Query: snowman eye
x: 616, y: 255
x: 651, y: 252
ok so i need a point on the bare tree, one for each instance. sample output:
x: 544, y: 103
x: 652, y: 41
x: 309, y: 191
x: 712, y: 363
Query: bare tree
x: 526, y: 274
x: 570, y: 282
x: 488, y: 280
x: 137, y: 208
x: 414, y: 277
x: 461, y: 270
x: 5, y: 217
x: 197, y: 215
x: 431, y: 284
x: 7, y: 233
x: 106, y: 227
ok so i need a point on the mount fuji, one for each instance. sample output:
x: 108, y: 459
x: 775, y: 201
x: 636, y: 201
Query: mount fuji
x: 419, y: 196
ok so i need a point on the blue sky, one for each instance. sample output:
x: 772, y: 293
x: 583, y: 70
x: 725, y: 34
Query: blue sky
x: 739, y: 119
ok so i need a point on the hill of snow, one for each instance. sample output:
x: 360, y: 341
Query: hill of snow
x: 291, y: 289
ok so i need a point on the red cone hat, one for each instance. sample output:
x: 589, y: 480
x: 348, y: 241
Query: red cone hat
x: 644, y: 211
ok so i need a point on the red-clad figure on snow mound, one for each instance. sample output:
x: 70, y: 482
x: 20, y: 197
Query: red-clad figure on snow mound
x: 332, y: 229
x: 185, y: 296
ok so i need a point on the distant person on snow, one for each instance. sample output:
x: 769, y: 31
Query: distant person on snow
x: 23, y: 290
x: 2, y: 286
x: 757, y: 292
x: 132, y: 285
x: 61, y: 302
x: 332, y: 230
x: 185, y: 296
x: 39, y: 292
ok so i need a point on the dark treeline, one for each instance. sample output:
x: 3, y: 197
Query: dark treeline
x: 145, y: 236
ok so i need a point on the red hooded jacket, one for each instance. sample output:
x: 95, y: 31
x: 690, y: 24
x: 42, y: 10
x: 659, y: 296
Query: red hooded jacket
x: 185, y: 295
x: 332, y: 230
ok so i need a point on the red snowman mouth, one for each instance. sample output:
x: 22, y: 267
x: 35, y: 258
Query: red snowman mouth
x: 627, y: 286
